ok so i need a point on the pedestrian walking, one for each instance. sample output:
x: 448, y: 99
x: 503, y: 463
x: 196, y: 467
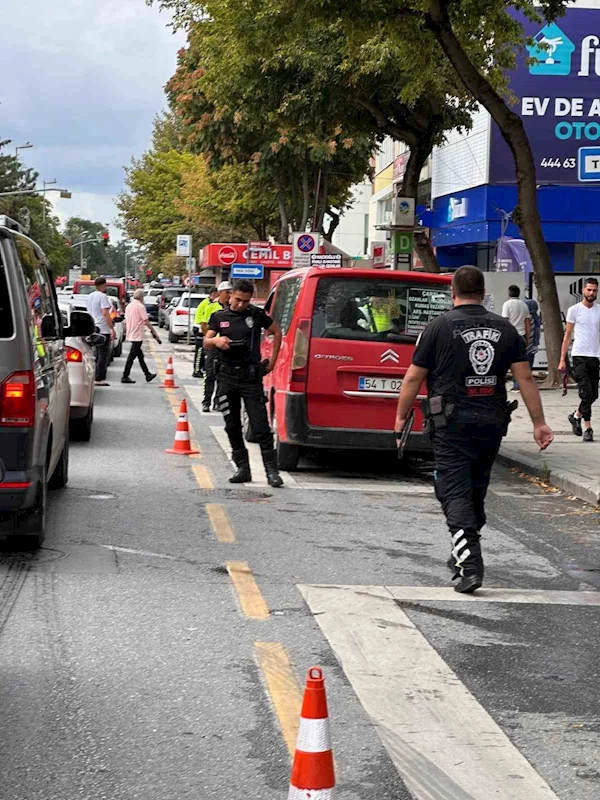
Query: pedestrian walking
x: 136, y: 321
x: 99, y: 308
x: 464, y: 356
x: 210, y: 378
x: 199, y: 353
x: 583, y: 324
x: 517, y: 313
x: 234, y: 334
x: 535, y: 330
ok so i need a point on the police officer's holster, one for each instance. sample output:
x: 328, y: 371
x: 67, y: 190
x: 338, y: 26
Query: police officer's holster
x: 244, y: 382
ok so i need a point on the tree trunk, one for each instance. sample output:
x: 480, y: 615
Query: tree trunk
x: 410, y: 186
x: 526, y: 214
x: 335, y: 221
x: 323, y: 199
x: 284, y: 233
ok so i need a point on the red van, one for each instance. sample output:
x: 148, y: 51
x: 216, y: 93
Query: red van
x: 114, y: 288
x: 348, y: 339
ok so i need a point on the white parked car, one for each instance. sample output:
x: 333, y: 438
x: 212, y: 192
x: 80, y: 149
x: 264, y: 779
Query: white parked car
x: 81, y: 366
x: 178, y: 318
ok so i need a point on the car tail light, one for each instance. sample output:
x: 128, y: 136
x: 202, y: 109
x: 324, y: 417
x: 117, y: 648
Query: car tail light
x: 180, y: 311
x: 17, y: 400
x: 299, y: 371
x: 74, y: 356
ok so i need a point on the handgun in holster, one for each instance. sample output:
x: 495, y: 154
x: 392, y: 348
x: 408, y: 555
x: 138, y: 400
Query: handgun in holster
x: 509, y: 408
x: 436, y: 413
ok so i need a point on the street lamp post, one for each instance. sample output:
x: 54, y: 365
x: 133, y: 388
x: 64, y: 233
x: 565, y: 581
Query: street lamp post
x: 25, y: 146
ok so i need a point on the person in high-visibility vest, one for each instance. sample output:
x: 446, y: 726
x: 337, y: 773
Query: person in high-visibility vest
x: 380, y: 318
x: 199, y: 318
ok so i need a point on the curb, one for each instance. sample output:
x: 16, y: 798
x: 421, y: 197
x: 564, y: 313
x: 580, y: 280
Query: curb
x: 571, y: 482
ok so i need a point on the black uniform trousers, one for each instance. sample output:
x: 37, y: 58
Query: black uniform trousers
x: 231, y: 392
x: 464, y: 453
x: 102, y: 351
x: 586, y: 371
x: 210, y: 377
x: 136, y: 352
x: 199, y: 354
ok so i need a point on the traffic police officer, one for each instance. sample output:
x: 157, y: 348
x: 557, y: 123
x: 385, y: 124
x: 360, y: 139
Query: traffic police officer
x: 465, y: 354
x: 210, y: 377
x: 199, y: 354
x: 235, y: 334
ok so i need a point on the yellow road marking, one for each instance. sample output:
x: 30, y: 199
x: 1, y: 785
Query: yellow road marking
x: 251, y: 600
x: 282, y: 686
x: 202, y: 476
x: 220, y: 522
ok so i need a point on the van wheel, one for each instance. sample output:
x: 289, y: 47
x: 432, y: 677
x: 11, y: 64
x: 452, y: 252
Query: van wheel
x: 288, y: 455
x: 161, y: 322
x: 30, y: 525
x: 247, y: 428
x: 119, y: 351
x: 172, y: 338
x: 60, y: 476
x: 81, y: 429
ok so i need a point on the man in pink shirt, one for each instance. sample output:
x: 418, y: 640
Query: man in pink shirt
x: 136, y: 320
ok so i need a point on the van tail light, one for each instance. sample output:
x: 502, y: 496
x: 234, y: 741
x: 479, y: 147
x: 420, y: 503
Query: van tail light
x: 74, y: 356
x: 17, y: 400
x: 181, y: 311
x: 299, y: 370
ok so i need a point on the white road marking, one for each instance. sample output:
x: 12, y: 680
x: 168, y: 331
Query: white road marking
x: 442, y: 741
x: 326, y: 484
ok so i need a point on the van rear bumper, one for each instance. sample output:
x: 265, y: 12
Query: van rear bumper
x: 301, y: 433
x: 18, y: 490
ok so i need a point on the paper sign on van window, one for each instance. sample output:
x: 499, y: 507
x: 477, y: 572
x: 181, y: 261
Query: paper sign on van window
x: 423, y: 306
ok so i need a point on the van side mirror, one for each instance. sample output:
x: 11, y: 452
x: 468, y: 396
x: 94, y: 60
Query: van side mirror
x: 82, y: 324
x: 49, y: 327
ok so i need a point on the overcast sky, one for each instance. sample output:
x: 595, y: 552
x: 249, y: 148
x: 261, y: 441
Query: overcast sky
x: 82, y: 81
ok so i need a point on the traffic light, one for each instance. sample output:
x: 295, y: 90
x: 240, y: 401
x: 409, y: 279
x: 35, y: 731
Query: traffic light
x: 149, y: 273
x: 105, y: 239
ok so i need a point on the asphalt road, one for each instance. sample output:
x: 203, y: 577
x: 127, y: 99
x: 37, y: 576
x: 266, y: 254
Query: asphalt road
x: 157, y: 645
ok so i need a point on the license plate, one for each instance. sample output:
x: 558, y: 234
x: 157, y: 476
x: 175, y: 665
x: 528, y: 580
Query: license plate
x: 379, y: 384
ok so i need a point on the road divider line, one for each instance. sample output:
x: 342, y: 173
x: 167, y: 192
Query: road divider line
x: 220, y: 523
x: 249, y: 595
x: 202, y: 476
x: 282, y: 687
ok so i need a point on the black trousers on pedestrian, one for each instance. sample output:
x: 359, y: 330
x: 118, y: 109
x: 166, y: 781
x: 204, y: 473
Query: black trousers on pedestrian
x: 586, y: 371
x: 464, y: 455
x: 135, y: 352
x: 199, y: 354
x: 210, y: 377
x: 231, y: 392
x: 102, y: 351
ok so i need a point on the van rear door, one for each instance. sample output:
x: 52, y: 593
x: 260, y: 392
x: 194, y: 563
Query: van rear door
x: 363, y: 335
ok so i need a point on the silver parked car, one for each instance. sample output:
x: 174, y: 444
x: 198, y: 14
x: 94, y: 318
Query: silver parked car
x: 81, y: 366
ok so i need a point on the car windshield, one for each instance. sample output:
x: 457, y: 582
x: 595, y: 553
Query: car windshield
x: 367, y: 309
x: 6, y: 317
x: 194, y: 302
x: 86, y: 288
x: 169, y: 294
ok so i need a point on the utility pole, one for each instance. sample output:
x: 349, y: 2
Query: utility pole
x: 46, y: 183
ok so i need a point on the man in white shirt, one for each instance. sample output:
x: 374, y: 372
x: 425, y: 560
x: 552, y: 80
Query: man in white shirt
x: 583, y: 320
x: 517, y: 313
x: 99, y: 308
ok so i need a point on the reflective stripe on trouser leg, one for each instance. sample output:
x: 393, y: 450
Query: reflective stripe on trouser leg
x: 460, y: 550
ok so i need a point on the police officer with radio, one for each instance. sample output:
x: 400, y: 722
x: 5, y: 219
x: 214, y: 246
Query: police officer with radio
x: 235, y: 333
x: 464, y: 355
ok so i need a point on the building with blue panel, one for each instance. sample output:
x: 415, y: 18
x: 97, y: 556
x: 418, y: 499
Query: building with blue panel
x: 473, y: 174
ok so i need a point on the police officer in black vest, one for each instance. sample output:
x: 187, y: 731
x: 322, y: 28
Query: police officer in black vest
x: 235, y: 333
x: 464, y: 355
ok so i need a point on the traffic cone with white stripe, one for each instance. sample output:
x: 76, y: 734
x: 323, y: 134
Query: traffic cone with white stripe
x: 313, y: 776
x: 182, y: 444
x: 169, y: 376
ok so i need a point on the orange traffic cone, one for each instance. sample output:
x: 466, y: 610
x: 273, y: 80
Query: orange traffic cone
x: 169, y: 376
x: 313, y: 776
x: 182, y: 444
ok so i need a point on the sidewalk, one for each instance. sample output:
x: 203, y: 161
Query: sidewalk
x: 568, y: 463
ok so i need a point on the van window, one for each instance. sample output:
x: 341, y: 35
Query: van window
x: 282, y: 309
x: 366, y: 309
x: 7, y: 328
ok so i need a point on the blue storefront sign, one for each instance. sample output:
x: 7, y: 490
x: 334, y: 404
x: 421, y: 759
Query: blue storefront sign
x: 557, y: 83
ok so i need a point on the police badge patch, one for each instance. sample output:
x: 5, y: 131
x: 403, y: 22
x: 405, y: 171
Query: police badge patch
x: 249, y: 322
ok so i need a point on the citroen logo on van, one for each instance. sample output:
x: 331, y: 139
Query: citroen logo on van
x: 390, y: 355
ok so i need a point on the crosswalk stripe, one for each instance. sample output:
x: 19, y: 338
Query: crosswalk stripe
x: 442, y: 741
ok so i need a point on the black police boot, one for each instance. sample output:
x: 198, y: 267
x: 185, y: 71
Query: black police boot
x: 274, y: 479
x: 243, y: 474
x: 466, y: 561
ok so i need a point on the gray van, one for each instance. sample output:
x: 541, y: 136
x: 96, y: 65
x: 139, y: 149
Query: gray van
x: 34, y: 387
